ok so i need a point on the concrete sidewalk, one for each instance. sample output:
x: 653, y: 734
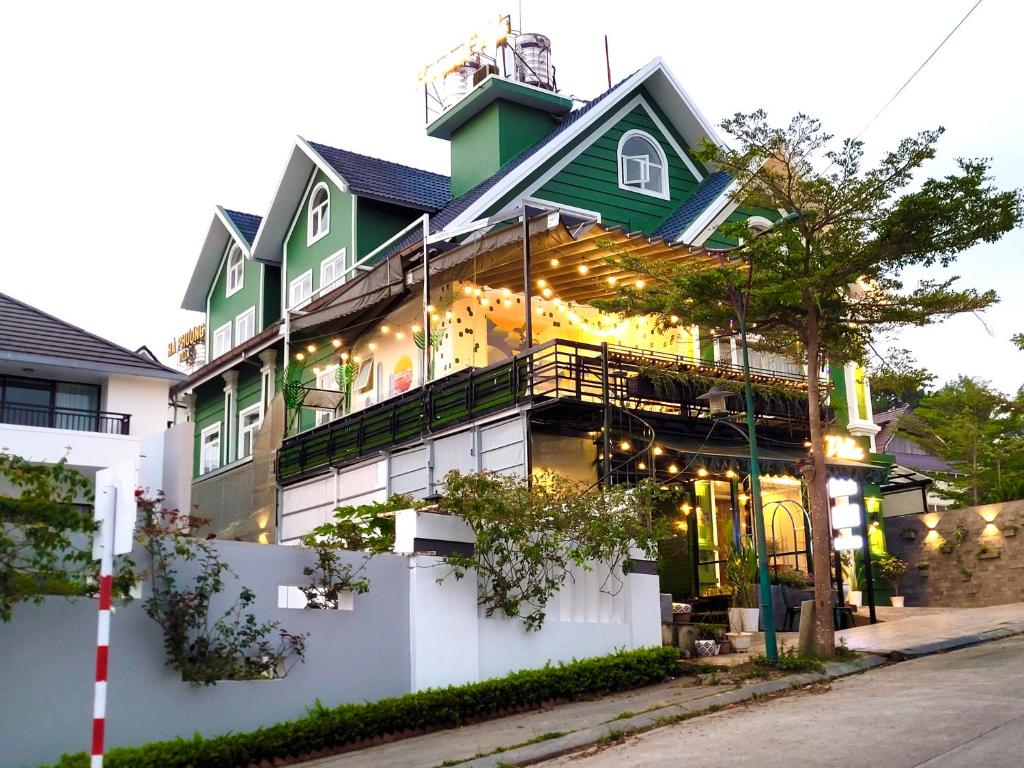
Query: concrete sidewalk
x: 544, y: 734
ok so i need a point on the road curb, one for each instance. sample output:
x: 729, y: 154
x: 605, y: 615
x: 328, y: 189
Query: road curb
x: 589, y: 737
x: 954, y: 643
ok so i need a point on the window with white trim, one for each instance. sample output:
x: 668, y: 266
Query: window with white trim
x: 236, y: 270
x: 319, y: 214
x: 642, y: 164
x: 300, y: 289
x: 245, y: 325
x: 326, y: 379
x: 248, y: 424
x: 221, y: 341
x: 209, y: 450
x: 331, y: 269
x: 364, y: 379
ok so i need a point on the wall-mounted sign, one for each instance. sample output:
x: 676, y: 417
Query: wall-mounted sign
x: 847, y: 543
x: 845, y: 516
x: 843, y: 447
x: 185, y: 345
x: 839, y: 487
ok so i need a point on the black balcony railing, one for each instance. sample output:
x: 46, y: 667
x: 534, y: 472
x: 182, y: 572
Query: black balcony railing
x: 554, y: 370
x: 74, y: 419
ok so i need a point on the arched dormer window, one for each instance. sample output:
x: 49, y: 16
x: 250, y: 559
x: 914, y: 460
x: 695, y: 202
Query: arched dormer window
x: 642, y: 165
x: 319, y: 219
x: 236, y: 270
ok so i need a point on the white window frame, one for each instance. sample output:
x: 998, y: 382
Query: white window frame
x: 364, y: 377
x: 336, y: 264
x: 322, y: 213
x: 202, y: 448
x: 292, y: 303
x: 224, y: 329
x: 250, y: 315
x: 235, y: 278
x: 249, y: 431
x: 645, y: 167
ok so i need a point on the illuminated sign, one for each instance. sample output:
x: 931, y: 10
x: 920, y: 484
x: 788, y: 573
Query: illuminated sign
x: 847, y: 543
x: 479, y: 41
x: 185, y: 345
x: 838, y: 487
x: 842, y: 447
x: 845, y: 515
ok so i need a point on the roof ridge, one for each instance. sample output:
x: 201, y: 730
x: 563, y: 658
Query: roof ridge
x: 378, y: 159
x: 108, y: 342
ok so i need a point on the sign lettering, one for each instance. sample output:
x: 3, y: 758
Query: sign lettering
x: 842, y: 447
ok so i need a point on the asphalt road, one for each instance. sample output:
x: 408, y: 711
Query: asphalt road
x: 959, y: 709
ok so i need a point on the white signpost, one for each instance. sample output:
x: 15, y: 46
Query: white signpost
x: 115, y: 511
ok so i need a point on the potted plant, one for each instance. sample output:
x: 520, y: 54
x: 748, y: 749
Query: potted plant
x: 707, y: 639
x: 859, y: 579
x: 892, y: 569
x: 681, y: 613
x: 741, y: 571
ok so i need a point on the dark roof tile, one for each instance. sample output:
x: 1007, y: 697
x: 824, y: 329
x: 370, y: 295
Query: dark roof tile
x: 385, y: 180
x: 248, y: 224
x: 704, y: 195
x: 27, y: 331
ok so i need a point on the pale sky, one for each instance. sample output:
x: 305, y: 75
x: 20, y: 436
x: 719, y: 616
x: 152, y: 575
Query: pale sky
x: 124, y: 123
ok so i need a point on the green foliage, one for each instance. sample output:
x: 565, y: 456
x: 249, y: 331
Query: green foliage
x: 46, y: 536
x: 329, y: 728
x: 897, y: 381
x: 790, y: 660
x: 892, y: 569
x: 789, y: 577
x: 292, y: 390
x: 368, y: 528
x: 741, y: 573
x: 980, y: 432
x: 1018, y: 340
x: 529, y: 536
x: 203, y: 645
x: 708, y: 631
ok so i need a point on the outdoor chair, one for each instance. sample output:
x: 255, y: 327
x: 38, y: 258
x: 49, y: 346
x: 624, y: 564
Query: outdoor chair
x: 791, y: 598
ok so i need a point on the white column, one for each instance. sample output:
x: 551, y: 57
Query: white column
x: 230, y: 415
x: 267, y: 375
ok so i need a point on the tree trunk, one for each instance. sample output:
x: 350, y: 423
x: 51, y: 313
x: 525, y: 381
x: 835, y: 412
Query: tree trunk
x: 821, y: 523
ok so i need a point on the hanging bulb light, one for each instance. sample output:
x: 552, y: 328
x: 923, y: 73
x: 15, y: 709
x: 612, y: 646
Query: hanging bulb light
x: 658, y: 451
x: 702, y: 472
x: 484, y: 302
x: 344, y: 357
x: 673, y: 469
x: 430, y: 309
x: 506, y: 292
x: 583, y: 269
x: 399, y: 335
x: 546, y: 293
x: 415, y: 328
x: 336, y: 343
x: 612, y: 280
x: 316, y: 370
x: 554, y: 262
x: 542, y: 283
x: 373, y: 346
x: 385, y: 329
x: 299, y: 356
x: 311, y: 348
x: 640, y: 285
x: 674, y: 319
x: 357, y: 359
x: 477, y: 292
x: 448, y: 315
x: 625, y: 445
x: 508, y: 302
x: 468, y: 290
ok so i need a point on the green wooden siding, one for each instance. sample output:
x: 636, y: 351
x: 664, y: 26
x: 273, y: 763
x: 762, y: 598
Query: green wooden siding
x: 224, y: 308
x: 592, y: 180
x: 377, y: 221
x: 300, y: 257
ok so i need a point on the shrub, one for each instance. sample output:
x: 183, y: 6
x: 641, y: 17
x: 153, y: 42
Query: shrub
x: 326, y: 728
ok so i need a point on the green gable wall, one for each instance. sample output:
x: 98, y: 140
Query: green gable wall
x: 377, y: 221
x: 224, y: 308
x: 209, y: 405
x: 500, y: 132
x: 300, y: 257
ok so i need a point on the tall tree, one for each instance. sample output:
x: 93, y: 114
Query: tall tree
x: 898, y: 381
x: 980, y: 432
x: 822, y: 285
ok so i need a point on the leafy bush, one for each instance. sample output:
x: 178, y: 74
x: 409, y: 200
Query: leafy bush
x: 326, y: 728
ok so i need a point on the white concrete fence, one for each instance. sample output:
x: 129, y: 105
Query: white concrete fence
x: 409, y: 632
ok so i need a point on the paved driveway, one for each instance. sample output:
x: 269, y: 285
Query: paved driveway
x: 954, y: 710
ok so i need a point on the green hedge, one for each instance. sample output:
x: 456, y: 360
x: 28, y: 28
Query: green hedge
x: 328, y: 728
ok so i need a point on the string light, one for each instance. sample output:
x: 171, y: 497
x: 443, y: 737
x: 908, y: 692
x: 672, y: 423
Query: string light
x: 299, y: 356
x: 540, y: 310
x: 430, y: 309
x: 554, y: 262
x: 399, y: 335
x: 730, y: 474
x: 468, y: 290
x: 448, y: 315
x: 336, y: 343
x: 541, y: 283
x: 674, y: 319
x: 385, y: 329
x: 641, y: 465
x: 658, y: 451
x: 311, y: 348
x: 477, y: 291
x: 624, y: 445
x: 316, y: 370
x: 640, y: 285
x: 702, y: 472
x: 483, y: 302
x: 673, y: 469
x: 546, y: 293
x: 506, y: 292
x: 508, y: 302
x: 612, y: 280
x: 357, y: 359
x: 583, y: 269
x: 415, y: 328
x: 344, y: 357
x: 373, y: 346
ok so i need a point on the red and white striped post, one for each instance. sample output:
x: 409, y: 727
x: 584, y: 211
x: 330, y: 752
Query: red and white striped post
x: 107, y: 496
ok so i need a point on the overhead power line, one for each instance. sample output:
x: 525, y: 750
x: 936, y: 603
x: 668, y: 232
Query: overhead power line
x: 918, y: 70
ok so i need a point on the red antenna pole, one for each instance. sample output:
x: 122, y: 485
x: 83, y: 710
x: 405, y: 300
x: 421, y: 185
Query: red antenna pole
x: 607, y: 62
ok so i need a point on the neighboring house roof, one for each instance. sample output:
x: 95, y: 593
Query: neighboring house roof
x: 922, y: 462
x: 247, y: 224
x: 29, y: 335
x: 704, y: 197
x: 384, y: 180
x: 225, y: 226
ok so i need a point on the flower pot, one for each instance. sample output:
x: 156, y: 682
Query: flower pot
x: 897, y: 601
x: 751, y: 619
x: 681, y: 613
x: 736, y: 619
x: 725, y: 646
x: 680, y: 618
x: 706, y: 647
x: 740, y: 641
x: 857, y: 598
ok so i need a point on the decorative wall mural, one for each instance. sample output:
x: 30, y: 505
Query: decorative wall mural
x: 402, y: 378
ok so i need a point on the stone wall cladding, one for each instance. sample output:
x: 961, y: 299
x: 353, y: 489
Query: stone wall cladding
x: 987, y: 568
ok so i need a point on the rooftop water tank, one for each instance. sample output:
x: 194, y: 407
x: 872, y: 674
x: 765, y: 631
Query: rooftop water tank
x: 533, y: 61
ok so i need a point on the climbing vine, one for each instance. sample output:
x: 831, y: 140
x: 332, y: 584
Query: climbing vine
x: 530, y: 537
x: 206, y: 643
